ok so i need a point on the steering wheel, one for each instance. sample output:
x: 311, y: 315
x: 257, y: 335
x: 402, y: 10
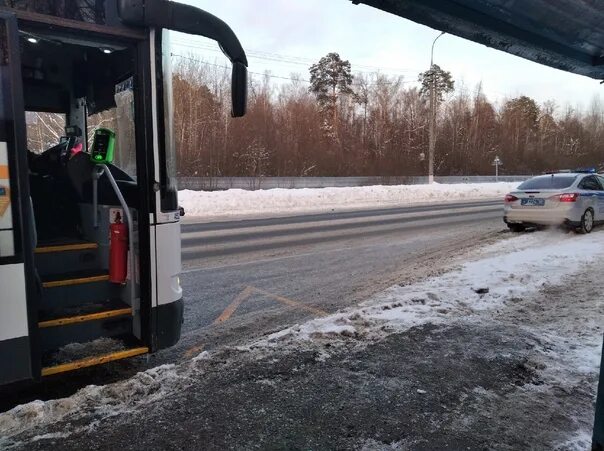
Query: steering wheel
x: 62, y: 151
x: 53, y: 159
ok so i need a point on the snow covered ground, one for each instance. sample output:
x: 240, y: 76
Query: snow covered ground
x: 237, y: 202
x: 535, y: 298
x: 501, y: 273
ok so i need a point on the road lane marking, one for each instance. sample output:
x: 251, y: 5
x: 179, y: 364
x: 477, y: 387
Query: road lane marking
x: 283, y: 218
x: 195, y: 269
x: 228, y: 312
x: 234, y: 246
x: 221, y: 236
x: 250, y: 290
x: 193, y: 351
x: 290, y: 302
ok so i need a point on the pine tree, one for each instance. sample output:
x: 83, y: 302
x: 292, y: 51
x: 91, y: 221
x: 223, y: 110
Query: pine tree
x: 330, y: 79
x: 443, y: 82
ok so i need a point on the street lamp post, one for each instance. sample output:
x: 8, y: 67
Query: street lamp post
x: 432, y: 125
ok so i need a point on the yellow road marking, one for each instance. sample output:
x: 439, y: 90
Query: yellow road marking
x: 65, y: 248
x: 226, y: 314
x: 291, y: 302
x: 84, y: 318
x: 77, y: 281
x: 92, y: 361
x: 249, y: 290
x: 193, y: 351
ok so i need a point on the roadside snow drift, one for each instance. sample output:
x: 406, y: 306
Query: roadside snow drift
x: 504, y: 273
x: 237, y: 202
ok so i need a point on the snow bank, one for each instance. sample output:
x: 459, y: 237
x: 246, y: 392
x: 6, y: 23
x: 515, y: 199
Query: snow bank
x: 235, y: 202
x: 504, y: 272
x: 97, y: 401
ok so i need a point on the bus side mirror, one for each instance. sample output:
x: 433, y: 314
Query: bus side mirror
x: 239, y: 89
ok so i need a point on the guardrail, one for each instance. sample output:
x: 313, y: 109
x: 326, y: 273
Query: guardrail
x: 254, y: 183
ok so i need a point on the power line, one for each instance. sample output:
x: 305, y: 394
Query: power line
x: 295, y: 60
x: 281, y: 77
x: 474, y: 91
x: 291, y: 59
x: 249, y: 72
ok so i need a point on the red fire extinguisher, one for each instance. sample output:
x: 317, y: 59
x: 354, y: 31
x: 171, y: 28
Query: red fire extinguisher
x: 118, y: 250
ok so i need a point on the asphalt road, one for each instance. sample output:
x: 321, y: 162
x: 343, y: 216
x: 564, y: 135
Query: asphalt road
x: 244, y: 279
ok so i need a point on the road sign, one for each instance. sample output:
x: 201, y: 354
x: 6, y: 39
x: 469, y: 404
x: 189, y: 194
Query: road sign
x: 497, y: 162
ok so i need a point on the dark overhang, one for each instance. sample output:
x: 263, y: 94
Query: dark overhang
x: 565, y: 34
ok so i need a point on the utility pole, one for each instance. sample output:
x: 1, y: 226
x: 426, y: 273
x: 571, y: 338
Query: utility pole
x: 431, y: 137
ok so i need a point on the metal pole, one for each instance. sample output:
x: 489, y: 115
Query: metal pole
x: 96, y: 174
x: 128, y: 216
x: 431, y: 135
x: 597, y: 443
x: 432, y: 125
x: 496, y: 172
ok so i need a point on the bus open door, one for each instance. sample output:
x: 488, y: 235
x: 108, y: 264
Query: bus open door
x: 103, y: 76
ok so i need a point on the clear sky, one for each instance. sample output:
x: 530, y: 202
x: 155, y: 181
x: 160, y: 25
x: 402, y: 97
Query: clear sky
x: 286, y: 36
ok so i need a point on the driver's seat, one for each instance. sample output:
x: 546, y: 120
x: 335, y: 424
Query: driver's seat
x: 55, y: 204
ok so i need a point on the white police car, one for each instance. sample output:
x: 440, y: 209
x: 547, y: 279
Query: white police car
x: 572, y: 199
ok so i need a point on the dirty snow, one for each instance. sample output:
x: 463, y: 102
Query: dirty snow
x: 490, y: 283
x: 76, y: 351
x: 237, y: 202
x: 503, y: 272
x: 97, y: 401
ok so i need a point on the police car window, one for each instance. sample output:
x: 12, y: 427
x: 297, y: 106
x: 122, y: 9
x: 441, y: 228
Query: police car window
x: 548, y: 182
x: 601, y: 179
x: 590, y: 183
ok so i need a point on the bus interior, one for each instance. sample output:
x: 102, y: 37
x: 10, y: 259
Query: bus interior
x: 72, y: 87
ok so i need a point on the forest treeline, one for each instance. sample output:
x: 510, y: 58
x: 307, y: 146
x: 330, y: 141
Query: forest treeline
x: 379, y: 126
x: 332, y: 122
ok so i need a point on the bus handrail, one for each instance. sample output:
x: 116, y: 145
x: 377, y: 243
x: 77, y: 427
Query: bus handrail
x: 99, y: 170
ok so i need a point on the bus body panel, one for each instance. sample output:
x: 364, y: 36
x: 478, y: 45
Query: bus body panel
x: 13, y: 310
x: 167, y: 312
x: 168, y: 257
x: 14, y: 330
x: 167, y: 324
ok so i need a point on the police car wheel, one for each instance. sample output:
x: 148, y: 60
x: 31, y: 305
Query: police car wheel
x: 516, y: 228
x: 587, y: 221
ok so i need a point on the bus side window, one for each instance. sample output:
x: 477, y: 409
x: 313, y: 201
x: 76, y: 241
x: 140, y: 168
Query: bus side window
x: 167, y: 160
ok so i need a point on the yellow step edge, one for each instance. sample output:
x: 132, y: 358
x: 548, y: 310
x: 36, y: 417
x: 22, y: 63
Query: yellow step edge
x: 83, y: 318
x: 66, y: 248
x: 93, y: 361
x: 76, y: 281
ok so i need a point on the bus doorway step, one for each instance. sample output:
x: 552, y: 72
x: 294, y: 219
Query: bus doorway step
x: 76, y: 356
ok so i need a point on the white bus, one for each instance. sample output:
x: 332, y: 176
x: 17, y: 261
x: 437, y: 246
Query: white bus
x: 100, y: 69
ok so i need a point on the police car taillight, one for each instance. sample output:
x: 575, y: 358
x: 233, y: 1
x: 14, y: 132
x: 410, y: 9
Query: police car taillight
x: 509, y: 198
x: 569, y: 197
